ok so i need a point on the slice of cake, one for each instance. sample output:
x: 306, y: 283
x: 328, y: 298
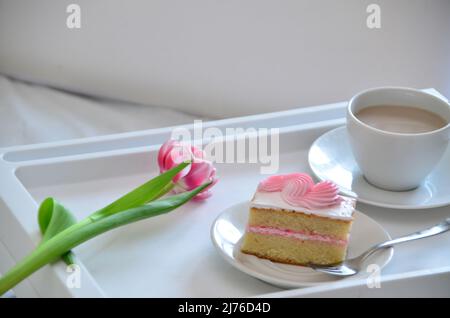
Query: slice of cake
x: 294, y: 221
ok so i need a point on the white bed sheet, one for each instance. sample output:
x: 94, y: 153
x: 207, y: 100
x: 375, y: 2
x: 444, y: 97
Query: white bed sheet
x: 33, y: 114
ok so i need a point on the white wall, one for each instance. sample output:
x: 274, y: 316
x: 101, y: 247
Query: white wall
x: 227, y: 57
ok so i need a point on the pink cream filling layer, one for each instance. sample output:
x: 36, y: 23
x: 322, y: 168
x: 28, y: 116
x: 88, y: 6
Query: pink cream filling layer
x: 299, y: 235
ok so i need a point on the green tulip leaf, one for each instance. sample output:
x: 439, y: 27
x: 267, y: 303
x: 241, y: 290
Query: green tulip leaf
x: 149, y: 191
x: 61, y: 233
x: 54, y: 218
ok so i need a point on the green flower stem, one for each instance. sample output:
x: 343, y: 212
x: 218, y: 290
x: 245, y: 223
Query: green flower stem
x: 73, y: 236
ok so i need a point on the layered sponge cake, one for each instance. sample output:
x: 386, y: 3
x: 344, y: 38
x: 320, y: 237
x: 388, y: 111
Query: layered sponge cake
x: 294, y: 221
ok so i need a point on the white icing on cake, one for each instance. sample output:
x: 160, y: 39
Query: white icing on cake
x: 273, y: 200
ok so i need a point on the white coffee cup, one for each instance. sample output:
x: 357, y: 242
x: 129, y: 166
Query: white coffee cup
x: 396, y: 161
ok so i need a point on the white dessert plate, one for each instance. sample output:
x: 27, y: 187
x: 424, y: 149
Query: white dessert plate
x: 228, y: 230
x: 331, y: 158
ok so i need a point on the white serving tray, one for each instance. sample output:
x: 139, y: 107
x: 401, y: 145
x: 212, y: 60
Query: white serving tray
x: 170, y: 255
x: 423, y: 284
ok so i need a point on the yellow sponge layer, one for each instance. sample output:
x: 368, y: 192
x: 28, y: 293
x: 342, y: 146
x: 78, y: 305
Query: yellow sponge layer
x: 299, y: 222
x: 292, y: 251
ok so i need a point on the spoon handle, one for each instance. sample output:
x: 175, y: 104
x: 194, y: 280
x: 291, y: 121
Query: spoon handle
x: 434, y: 230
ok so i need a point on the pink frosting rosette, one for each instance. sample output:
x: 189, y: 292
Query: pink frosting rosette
x: 298, y: 189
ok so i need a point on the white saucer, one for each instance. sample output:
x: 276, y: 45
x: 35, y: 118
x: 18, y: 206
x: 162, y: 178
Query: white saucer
x: 228, y: 230
x: 331, y: 158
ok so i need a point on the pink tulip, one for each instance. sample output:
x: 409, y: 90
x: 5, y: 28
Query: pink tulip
x: 173, y: 152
